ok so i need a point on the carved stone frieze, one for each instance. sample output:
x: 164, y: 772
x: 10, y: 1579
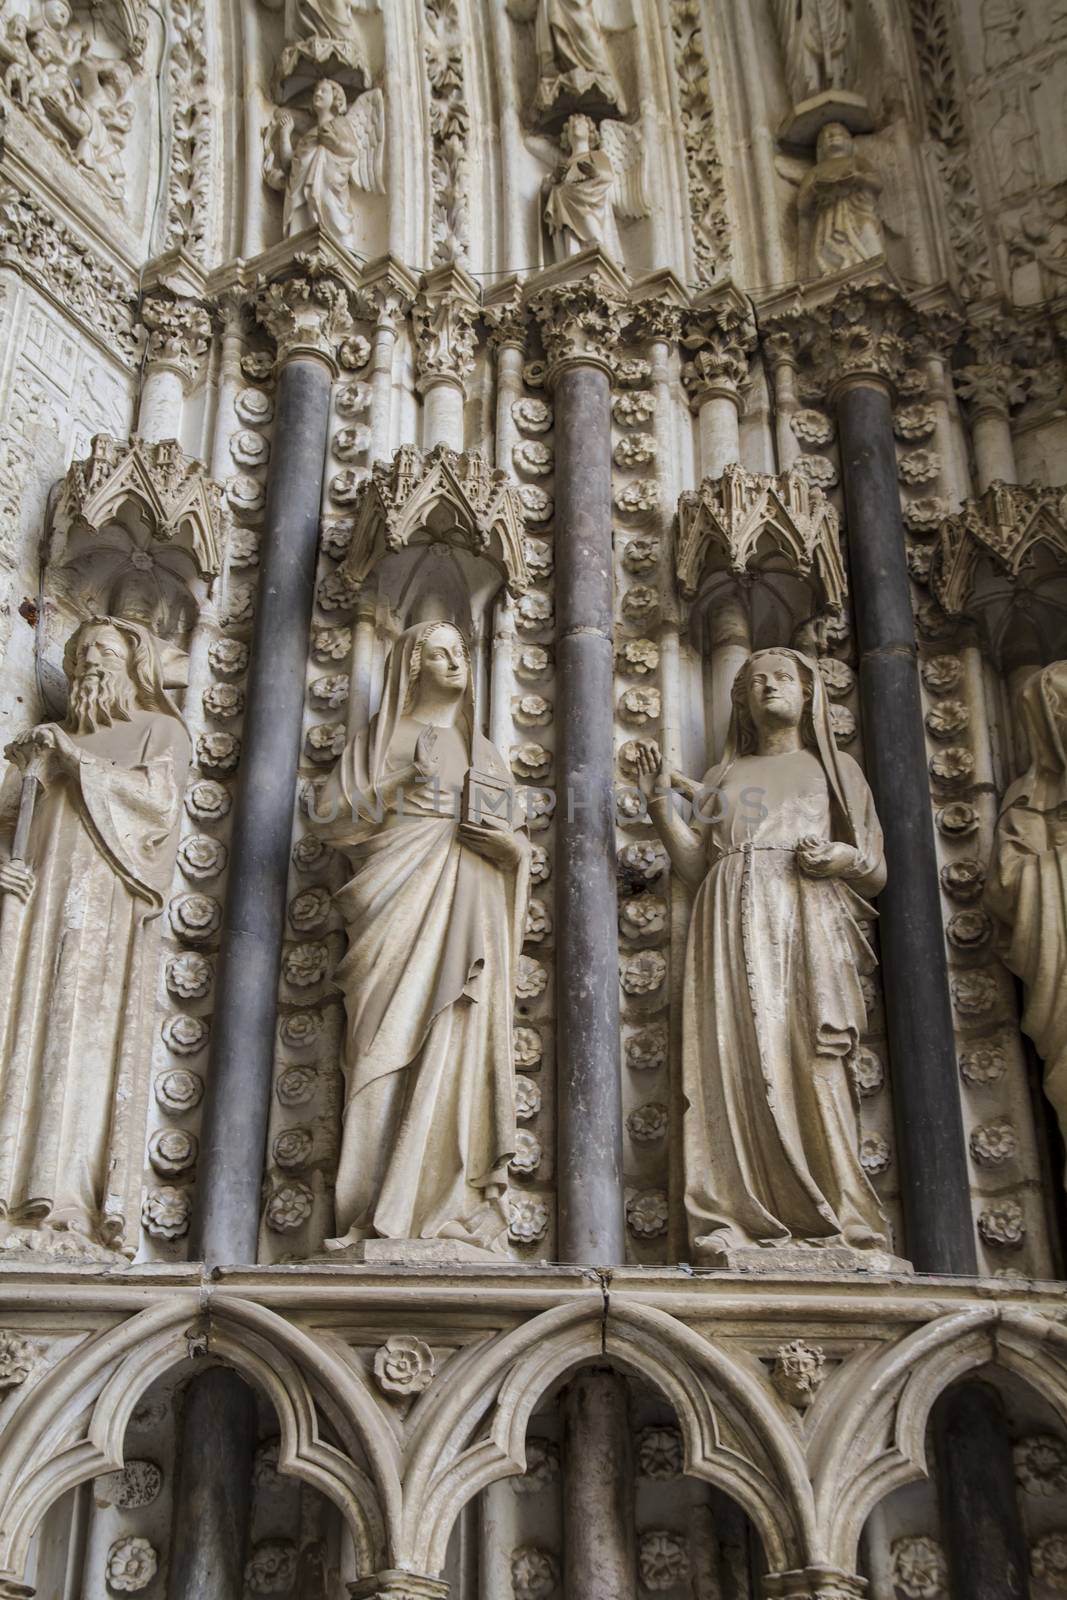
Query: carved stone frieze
x: 1009, y: 525
x: 308, y: 313
x: 747, y: 521
x: 450, y: 130
x: 445, y: 320
x: 439, y: 494
x: 189, y: 174
x: 708, y: 208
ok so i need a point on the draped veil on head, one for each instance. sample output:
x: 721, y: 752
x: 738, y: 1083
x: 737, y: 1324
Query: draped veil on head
x: 1043, y: 704
x: 398, y: 695
x: 817, y: 732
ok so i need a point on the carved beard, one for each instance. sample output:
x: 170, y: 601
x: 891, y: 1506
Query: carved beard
x: 98, y: 698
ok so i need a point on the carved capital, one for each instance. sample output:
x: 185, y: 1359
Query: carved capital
x: 398, y: 1586
x: 445, y: 320
x: 1004, y: 362
x: 506, y: 316
x: 178, y: 333
x: 582, y: 320
x: 814, y: 1583
x: 386, y: 294
x: 307, y: 314
x: 866, y: 331
x: 719, y: 335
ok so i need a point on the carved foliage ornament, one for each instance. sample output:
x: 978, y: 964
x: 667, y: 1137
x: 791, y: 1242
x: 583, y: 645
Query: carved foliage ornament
x: 406, y: 498
x: 309, y: 311
x: 444, y: 318
x: 178, y: 332
x: 720, y: 339
x: 747, y: 520
x: 581, y: 321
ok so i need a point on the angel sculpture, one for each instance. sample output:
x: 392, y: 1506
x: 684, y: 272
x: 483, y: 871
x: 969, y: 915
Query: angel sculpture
x: 599, y: 177
x: 338, y: 151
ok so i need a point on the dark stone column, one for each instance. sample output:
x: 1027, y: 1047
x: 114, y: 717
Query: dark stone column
x: 208, y: 1551
x: 980, y: 1522
x: 237, y: 1101
x: 929, y: 1123
x: 598, y: 1540
x: 588, y: 1073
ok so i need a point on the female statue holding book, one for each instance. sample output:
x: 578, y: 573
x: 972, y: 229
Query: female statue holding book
x: 420, y: 803
x: 785, y: 844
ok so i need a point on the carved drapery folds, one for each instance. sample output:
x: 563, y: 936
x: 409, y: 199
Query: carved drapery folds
x: 750, y: 522
x: 439, y: 496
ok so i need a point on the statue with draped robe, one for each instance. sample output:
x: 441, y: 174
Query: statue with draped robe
x: 785, y: 844
x: 816, y: 41
x: 420, y: 803
x: 79, y: 935
x: 1026, y: 889
x: 574, y: 67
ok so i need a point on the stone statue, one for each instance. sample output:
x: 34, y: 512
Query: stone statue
x: 599, y: 178
x: 434, y: 913
x: 78, y: 942
x: 1014, y: 142
x: 1027, y: 885
x: 573, y: 64
x: 838, y: 198
x: 785, y: 842
x: 337, y: 151
x: 816, y: 39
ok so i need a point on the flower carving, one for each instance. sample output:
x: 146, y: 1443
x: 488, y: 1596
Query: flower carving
x: 305, y: 964
x: 837, y: 676
x: 538, y: 921
x: 195, y: 917
x: 1002, y: 1225
x: 404, y: 1365
x: 983, y: 1064
x: 1048, y: 1560
x: 254, y: 407
x: 818, y: 470
x: 132, y: 1563
x: 662, y: 1559
x: 643, y: 916
x: 1041, y: 1464
x: 223, y: 700
x: 867, y: 1071
x: 17, y: 1357
x: 875, y: 1154
x: 843, y: 724
x: 296, y: 1085
x: 189, y: 975
x: 632, y: 371
x: 533, y: 661
x: 354, y: 352
x: 919, y: 466
x: 968, y: 930
x: 646, y: 1213
x: 659, y: 1453
x: 635, y: 450
x: 246, y: 494
x: 812, y: 427
x: 946, y: 720
x: 942, y: 674
x: 531, y: 978
x: 331, y: 644
x: 300, y: 1029
x: 240, y: 607
x: 642, y: 553
x: 640, y: 603
x: 532, y: 415
x: 337, y: 591
x: 926, y: 514
x: 271, y: 1568
x: 219, y: 752
x: 974, y: 993
x: 540, y: 864
x: 348, y: 443
x: 531, y: 710
x: 337, y: 536
x: 646, y: 1050
x: 527, y: 1047
x: 249, y: 448
x: 207, y: 801
x: 639, y: 706
x: 201, y: 857
x: 536, y: 502
x: 638, y: 497
x: 531, y: 760
x: 957, y: 821
x: 165, y: 1212
x: 331, y: 691
x: 648, y: 1122
x: 289, y: 1207
x: 534, y: 457
x: 639, y: 656
x: 179, y: 1090
x: 293, y: 1147
x: 919, y: 1567
x: 643, y: 973
x: 633, y: 408
x: 326, y: 741
x: 527, y: 1218
x: 994, y: 1142
x: 533, y: 610
x: 527, y: 1154
x: 171, y: 1151
x: 228, y: 657
x: 964, y: 879
x: 309, y: 909
x: 952, y: 767
x: 534, y: 1573
x: 539, y: 557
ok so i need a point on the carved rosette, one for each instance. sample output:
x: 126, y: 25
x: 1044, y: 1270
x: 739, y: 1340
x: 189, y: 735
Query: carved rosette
x: 178, y: 333
x: 438, y: 493
x: 736, y: 519
x: 1008, y: 524
x: 445, y: 318
x: 307, y: 314
x: 719, y: 336
x: 582, y: 321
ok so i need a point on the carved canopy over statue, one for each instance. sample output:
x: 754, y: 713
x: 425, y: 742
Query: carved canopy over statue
x: 78, y: 943
x: 574, y: 67
x: 420, y: 804
x: 321, y: 161
x: 785, y: 844
x: 1027, y: 884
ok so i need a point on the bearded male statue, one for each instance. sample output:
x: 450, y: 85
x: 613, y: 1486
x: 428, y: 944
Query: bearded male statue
x: 78, y: 944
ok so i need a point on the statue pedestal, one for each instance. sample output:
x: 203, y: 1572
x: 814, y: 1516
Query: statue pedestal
x: 803, y: 1260
x: 415, y: 1253
x: 802, y: 125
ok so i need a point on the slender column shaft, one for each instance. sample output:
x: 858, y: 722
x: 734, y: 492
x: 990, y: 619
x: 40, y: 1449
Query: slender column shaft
x: 994, y: 451
x: 933, y: 1160
x: 719, y: 425
x: 381, y: 383
x: 159, y: 413
x: 238, y: 1094
x: 214, y: 1490
x: 731, y: 646
x: 785, y: 404
x: 980, y: 1521
x: 501, y: 726
x: 508, y: 390
x: 598, y: 1535
x: 442, y: 415
x: 590, y: 1109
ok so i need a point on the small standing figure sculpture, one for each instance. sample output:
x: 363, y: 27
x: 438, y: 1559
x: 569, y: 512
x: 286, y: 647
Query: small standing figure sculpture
x: 434, y: 914
x: 839, y: 199
x: 318, y: 164
x: 573, y: 62
x: 786, y: 844
x: 1027, y: 886
x: 600, y: 177
x: 816, y: 39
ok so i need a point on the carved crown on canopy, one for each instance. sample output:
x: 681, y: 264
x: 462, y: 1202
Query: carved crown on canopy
x: 1010, y: 525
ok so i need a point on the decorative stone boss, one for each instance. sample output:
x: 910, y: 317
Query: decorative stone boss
x: 784, y: 845
x: 421, y: 804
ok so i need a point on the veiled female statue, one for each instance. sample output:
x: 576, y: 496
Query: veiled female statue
x: 434, y: 911
x: 1027, y: 884
x: 784, y: 845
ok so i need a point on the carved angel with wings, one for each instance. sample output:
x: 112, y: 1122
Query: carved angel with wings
x: 600, y: 177
x: 338, y: 151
